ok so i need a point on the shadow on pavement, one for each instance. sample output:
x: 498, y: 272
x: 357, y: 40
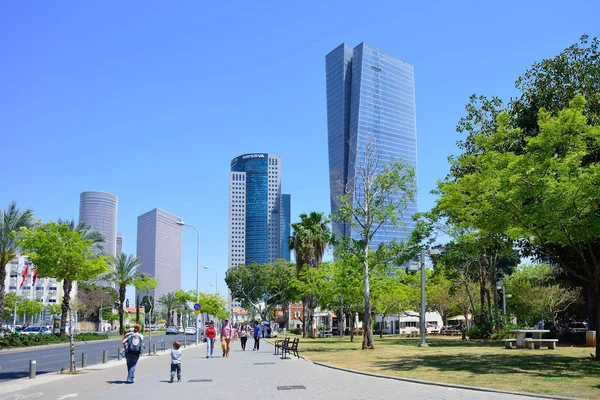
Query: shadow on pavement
x: 116, y: 382
x: 6, y: 376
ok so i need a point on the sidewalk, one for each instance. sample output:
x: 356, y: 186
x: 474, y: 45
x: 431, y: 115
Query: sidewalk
x: 241, y: 374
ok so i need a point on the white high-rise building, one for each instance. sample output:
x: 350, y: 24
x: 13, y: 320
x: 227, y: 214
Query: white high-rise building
x: 159, y: 250
x: 45, y: 290
x: 256, y: 217
x: 98, y: 210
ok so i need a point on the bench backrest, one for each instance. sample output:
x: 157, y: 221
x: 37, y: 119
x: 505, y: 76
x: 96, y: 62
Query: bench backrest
x: 286, y: 341
x: 295, y: 343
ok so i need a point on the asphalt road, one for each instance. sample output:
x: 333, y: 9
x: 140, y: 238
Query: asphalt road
x: 14, y: 363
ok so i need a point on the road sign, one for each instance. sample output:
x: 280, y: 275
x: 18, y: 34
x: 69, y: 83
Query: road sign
x: 197, y: 306
x: 197, y: 312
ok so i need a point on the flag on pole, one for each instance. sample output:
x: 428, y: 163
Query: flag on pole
x: 34, y: 275
x: 24, y: 275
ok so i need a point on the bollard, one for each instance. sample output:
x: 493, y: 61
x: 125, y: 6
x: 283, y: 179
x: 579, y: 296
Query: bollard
x: 32, y: 369
x: 104, y: 356
x: 83, y: 360
x: 119, y: 356
x: 154, y: 348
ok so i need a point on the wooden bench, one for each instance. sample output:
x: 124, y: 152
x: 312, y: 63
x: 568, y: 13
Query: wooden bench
x: 290, y: 348
x: 509, y: 342
x: 280, y: 344
x: 530, y: 343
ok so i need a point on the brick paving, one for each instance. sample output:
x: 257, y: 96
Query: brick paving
x: 242, y: 374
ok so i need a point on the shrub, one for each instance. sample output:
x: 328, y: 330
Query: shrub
x: 296, y: 331
x: 17, y: 340
x: 480, y: 331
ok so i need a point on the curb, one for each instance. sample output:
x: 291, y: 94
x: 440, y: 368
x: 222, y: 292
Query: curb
x: 448, y: 385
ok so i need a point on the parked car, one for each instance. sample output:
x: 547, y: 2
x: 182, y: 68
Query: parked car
x: 172, y: 330
x: 190, y: 330
x: 36, y: 330
x: 181, y: 330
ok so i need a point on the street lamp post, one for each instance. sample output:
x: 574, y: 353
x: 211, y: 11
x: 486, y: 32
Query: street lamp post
x: 197, y: 275
x: 216, y: 278
x: 423, y: 279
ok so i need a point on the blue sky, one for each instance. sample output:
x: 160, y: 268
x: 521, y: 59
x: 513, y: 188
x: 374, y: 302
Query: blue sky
x: 151, y: 101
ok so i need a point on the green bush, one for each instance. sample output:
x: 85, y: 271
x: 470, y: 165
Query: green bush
x: 17, y: 340
x: 480, y: 331
x: 296, y: 331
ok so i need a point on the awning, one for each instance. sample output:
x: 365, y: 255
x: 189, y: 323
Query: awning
x: 460, y: 318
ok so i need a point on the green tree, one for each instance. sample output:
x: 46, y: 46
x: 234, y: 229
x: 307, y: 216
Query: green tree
x: 170, y: 303
x: 378, y: 196
x: 145, y: 284
x: 61, y: 253
x: 122, y: 273
x: 309, y: 240
x: 391, y: 295
x: 547, y: 192
x: 11, y: 221
x: 53, y: 309
x: 261, y: 286
x: 10, y: 300
x: 29, y: 307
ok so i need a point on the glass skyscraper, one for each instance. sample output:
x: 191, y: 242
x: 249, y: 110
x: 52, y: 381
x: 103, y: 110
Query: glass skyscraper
x: 259, y: 215
x: 370, y: 104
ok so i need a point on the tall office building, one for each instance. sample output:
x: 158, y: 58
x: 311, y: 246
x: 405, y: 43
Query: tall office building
x: 259, y: 215
x: 370, y: 106
x: 119, y: 243
x: 98, y: 210
x: 159, y: 244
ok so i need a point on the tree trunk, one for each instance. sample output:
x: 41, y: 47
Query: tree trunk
x: 591, y: 303
x: 2, y: 280
x: 122, y: 290
x: 304, y: 316
x: 496, y: 312
x: 367, y: 328
x: 483, y: 318
x: 66, y: 306
x: 597, y: 293
x: 352, y: 327
x: 381, y: 326
x: 72, y: 367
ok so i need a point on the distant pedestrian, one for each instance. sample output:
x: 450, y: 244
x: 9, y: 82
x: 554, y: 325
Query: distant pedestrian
x: 256, y: 336
x: 176, y: 362
x: 226, y: 336
x: 243, y: 336
x: 133, y: 343
x: 210, y: 334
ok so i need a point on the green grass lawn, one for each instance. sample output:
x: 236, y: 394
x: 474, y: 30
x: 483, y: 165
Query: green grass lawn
x: 566, y: 371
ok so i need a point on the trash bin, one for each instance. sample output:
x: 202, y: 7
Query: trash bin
x: 590, y: 338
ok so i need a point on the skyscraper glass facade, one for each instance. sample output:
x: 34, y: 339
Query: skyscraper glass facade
x: 256, y: 168
x: 370, y: 107
x: 259, y: 215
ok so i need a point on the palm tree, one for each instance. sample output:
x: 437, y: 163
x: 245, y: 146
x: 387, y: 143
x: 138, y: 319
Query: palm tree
x: 11, y: 221
x: 170, y: 302
x: 309, y: 241
x: 122, y: 272
x: 86, y: 232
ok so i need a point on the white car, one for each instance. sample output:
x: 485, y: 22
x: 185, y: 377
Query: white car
x: 36, y: 330
x: 190, y: 330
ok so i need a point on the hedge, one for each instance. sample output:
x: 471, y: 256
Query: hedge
x: 17, y: 340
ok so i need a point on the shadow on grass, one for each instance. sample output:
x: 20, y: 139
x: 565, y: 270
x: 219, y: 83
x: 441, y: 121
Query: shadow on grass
x: 548, y: 366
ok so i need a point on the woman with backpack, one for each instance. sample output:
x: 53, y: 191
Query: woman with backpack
x: 133, y: 342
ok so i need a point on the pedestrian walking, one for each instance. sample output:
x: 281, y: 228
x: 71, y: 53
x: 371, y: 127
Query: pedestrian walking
x: 243, y: 336
x: 210, y: 334
x: 133, y: 342
x: 256, y: 336
x: 226, y: 336
x: 175, y: 362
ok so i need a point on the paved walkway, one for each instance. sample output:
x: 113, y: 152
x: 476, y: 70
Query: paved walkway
x: 242, y: 374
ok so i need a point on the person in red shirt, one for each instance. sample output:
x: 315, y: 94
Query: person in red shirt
x: 210, y: 333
